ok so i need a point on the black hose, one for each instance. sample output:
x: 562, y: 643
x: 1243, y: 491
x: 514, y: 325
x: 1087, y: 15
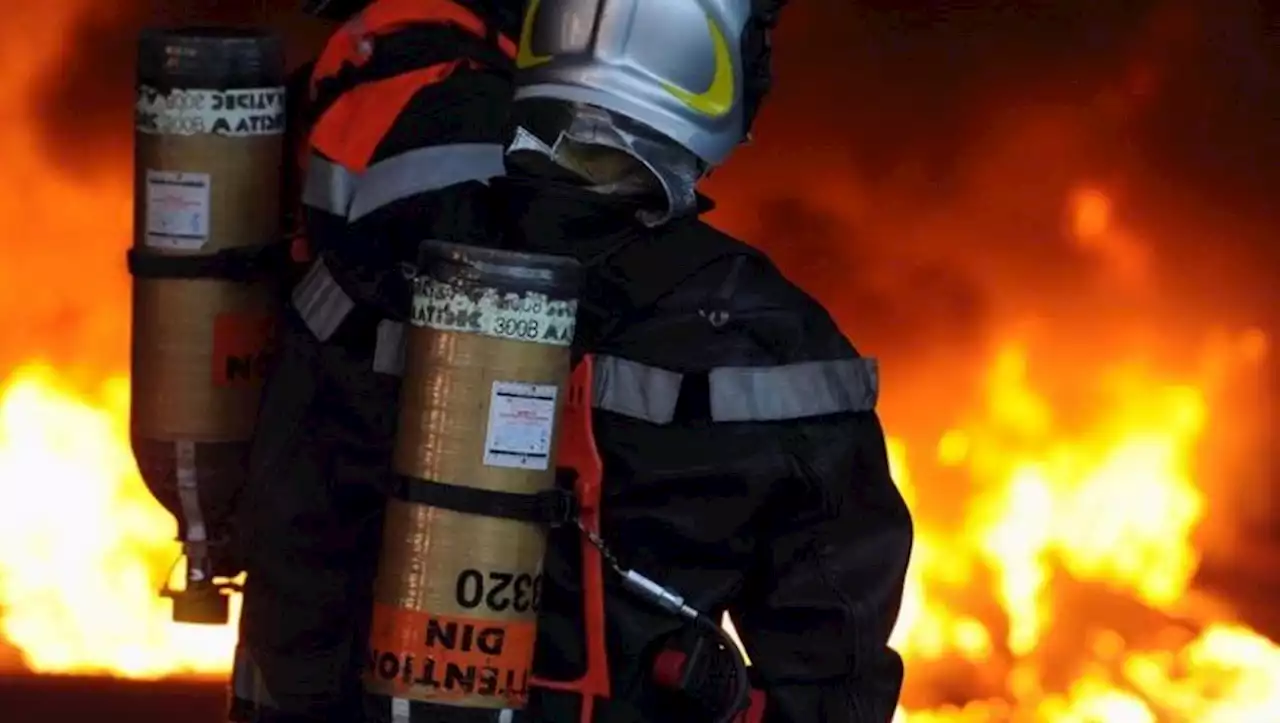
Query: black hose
x: 674, y: 604
x: 741, y: 682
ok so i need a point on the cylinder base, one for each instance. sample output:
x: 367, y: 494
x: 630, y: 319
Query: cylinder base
x: 218, y: 470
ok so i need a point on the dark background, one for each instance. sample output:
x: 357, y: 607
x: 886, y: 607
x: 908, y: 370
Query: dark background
x: 957, y: 128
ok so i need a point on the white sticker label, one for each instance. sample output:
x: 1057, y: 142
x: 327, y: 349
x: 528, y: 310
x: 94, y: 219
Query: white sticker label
x: 236, y: 113
x: 177, y: 210
x: 528, y: 316
x: 521, y: 417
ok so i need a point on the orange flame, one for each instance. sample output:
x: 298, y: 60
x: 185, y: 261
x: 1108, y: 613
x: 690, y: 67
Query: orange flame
x: 83, y: 548
x: 1114, y: 504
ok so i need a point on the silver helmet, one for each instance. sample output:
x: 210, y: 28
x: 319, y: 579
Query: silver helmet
x: 692, y: 70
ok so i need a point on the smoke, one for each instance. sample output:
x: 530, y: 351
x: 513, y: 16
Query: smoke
x: 85, y: 105
x: 914, y: 170
x: 949, y: 136
x: 1192, y: 84
x: 915, y: 160
x: 878, y: 83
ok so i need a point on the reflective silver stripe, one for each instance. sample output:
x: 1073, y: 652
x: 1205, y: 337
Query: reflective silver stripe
x: 321, y: 301
x: 400, y: 710
x: 332, y: 188
x: 328, y: 186
x: 388, y: 352
x: 422, y: 170
x: 793, y: 391
x: 635, y: 390
x: 740, y: 394
x: 246, y: 679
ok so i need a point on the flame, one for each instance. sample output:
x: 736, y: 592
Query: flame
x: 1114, y: 505
x: 1110, y: 501
x: 1052, y: 579
x: 83, y: 548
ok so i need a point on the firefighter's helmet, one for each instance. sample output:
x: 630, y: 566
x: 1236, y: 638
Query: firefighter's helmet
x: 696, y: 71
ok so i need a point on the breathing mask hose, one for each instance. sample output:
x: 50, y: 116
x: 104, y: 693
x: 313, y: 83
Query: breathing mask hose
x: 741, y: 683
x: 673, y: 603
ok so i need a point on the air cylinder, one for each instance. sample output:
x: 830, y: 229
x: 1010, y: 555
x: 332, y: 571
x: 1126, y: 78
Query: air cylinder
x: 487, y: 364
x: 209, y: 132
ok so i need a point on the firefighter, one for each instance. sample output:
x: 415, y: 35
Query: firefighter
x: 744, y: 467
x: 406, y: 111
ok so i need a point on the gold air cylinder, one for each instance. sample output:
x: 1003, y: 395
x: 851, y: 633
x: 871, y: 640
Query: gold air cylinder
x: 209, y: 143
x: 487, y: 365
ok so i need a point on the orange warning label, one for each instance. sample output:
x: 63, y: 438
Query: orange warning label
x: 241, y: 347
x: 421, y: 656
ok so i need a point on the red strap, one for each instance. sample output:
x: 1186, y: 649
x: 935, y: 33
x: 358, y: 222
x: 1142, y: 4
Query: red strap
x: 300, y: 250
x: 577, y: 449
x: 755, y: 708
x: 668, y: 668
x: 350, y: 131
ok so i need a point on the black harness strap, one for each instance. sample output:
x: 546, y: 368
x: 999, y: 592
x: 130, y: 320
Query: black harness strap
x: 244, y: 265
x: 554, y: 507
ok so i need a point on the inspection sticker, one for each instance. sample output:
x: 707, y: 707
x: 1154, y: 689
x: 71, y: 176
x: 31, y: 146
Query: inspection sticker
x: 521, y: 418
x: 177, y: 210
x: 188, y: 112
x: 526, y: 316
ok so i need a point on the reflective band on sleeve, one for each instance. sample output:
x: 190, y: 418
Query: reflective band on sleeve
x: 321, y: 302
x: 333, y: 189
x: 328, y: 187
x: 793, y: 391
x: 400, y: 710
x: 423, y: 170
x: 635, y: 390
x: 740, y: 394
x: 388, y: 351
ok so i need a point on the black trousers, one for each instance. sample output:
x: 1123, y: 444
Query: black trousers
x: 310, y: 522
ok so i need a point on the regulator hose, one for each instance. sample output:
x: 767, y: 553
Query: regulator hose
x: 674, y: 604
x: 741, y: 683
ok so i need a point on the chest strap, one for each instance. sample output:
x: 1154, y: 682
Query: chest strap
x: 245, y: 264
x: 554, y: 507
